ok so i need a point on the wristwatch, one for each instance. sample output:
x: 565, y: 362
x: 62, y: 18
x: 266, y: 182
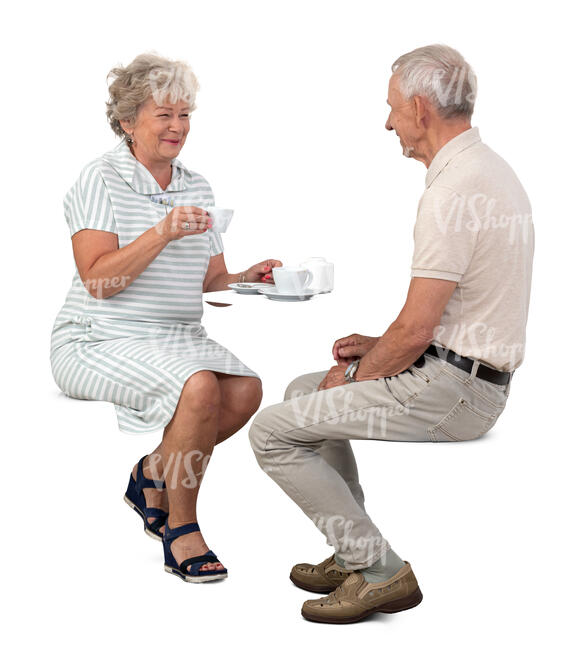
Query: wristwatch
x: 351, y: 370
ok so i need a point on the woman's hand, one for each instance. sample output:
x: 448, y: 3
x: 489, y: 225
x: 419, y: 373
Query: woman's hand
x: 352, y: 347
x: 261, y: 272
x: 173, y: 225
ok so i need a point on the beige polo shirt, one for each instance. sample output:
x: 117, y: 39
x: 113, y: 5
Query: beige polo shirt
x: 474, y: 227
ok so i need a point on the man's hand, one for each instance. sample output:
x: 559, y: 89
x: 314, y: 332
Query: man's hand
x: 352, y: 347
x: 335, y: 377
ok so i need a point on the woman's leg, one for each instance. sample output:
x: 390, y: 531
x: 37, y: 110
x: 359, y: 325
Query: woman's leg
x: 240, y: 398
x: 183, y: 455
x: 182, y: 458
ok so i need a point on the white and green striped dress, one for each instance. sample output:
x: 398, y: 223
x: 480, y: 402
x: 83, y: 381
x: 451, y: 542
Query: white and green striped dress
x: 138, y: 347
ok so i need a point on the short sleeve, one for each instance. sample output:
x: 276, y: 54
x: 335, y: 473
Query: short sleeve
x: 88, y: 205
x: 216, y: 245
x: 444, y: 241
x: 204, y: 189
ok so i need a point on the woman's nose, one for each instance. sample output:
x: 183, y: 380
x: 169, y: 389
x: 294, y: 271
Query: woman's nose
x: 175, y: 124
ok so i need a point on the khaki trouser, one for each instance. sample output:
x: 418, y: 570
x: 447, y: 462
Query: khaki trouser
x: 303, y: 442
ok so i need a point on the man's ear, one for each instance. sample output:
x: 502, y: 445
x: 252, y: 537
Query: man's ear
x: 421, y: 111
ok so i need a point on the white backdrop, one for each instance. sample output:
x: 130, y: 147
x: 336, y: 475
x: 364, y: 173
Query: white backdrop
x: 289, y: 131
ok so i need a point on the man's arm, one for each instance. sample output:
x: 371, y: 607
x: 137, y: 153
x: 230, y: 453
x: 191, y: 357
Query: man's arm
x: 411, y: 333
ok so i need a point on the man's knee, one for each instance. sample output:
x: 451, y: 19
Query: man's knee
x: 259, y: 434
x: 293, y: 389
x: 304, y: 384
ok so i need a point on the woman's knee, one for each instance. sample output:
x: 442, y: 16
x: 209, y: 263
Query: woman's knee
x: 253, y: 394
x: 244, y: 396
x: 201, y: 393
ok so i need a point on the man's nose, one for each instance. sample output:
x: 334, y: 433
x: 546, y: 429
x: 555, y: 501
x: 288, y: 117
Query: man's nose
x: 389, y: 126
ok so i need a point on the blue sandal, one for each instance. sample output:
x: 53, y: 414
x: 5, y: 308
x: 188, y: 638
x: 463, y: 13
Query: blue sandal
x: 194, y: 573
x: 134, y: 497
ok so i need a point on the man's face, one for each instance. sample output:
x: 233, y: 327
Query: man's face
x: 401, y: 119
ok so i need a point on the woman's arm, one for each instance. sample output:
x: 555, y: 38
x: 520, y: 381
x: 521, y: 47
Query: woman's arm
x: 217, y: 277
x: 105, y: 269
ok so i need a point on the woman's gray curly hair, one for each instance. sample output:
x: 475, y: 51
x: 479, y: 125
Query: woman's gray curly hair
x: 149, y: 75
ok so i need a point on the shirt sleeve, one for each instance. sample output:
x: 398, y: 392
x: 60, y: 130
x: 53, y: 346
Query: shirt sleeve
x: 88, y: 205
x: 443, y: 236
x: 216, y: 244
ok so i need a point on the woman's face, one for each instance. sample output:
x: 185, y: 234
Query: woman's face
x: 159, y: 131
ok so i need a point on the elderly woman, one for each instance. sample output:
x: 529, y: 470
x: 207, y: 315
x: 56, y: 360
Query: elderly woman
x: 130, y: 330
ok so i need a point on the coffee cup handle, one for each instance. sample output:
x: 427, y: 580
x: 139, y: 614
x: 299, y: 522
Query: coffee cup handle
x: 309, y: 279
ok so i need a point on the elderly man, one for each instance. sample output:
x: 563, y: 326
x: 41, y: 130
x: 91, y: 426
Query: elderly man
x: 442, y: 370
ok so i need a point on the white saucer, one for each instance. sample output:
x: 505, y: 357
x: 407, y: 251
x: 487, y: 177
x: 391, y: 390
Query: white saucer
x: 246, y: 287
x: 273, y: 294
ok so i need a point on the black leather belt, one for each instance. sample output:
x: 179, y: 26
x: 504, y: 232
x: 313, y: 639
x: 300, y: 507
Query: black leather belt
x: 465, y: 363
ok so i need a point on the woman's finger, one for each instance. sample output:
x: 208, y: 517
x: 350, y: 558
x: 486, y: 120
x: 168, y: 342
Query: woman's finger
x: 196, y: 223
x: 192, y: 210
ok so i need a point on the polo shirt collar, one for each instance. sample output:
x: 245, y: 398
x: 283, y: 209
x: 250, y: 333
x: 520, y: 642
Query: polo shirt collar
x: 138, y: 176
x: 450, y: 150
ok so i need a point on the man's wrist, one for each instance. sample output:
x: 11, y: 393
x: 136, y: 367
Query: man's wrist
x: 350, y: 372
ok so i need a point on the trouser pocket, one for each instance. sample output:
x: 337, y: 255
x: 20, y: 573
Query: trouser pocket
x: 463, y: 422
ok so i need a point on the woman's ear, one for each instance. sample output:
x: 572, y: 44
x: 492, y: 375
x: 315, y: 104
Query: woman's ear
x: 127, y: 126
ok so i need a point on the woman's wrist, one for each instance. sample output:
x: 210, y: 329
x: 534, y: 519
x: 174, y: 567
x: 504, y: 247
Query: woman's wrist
x: 161, y: 235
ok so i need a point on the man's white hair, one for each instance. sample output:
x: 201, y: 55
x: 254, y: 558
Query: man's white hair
x: 442, y: 75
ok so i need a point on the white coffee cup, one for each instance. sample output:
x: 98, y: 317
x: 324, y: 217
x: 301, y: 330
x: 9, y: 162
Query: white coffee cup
x: 221, y: 218
x: 291, y: 279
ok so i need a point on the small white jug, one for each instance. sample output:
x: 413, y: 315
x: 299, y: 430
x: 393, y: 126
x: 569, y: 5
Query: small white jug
x: 323, y: 273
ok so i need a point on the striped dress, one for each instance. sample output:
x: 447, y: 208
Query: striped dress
x: 137, y: 348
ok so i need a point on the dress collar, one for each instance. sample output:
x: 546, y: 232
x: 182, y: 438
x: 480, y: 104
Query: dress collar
x: 450, y: 150
x: 138, y: 176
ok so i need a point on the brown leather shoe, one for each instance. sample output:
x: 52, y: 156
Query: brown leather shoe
x: 320, y: 578
x: 356, y: 599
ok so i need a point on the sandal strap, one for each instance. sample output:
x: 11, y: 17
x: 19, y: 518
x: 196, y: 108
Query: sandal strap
x: 155, y: 512
x: 174, y: 533
x: 156, y: 525
x: 143, y: 482
x: 200, y: 560
x: 160, y: 519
